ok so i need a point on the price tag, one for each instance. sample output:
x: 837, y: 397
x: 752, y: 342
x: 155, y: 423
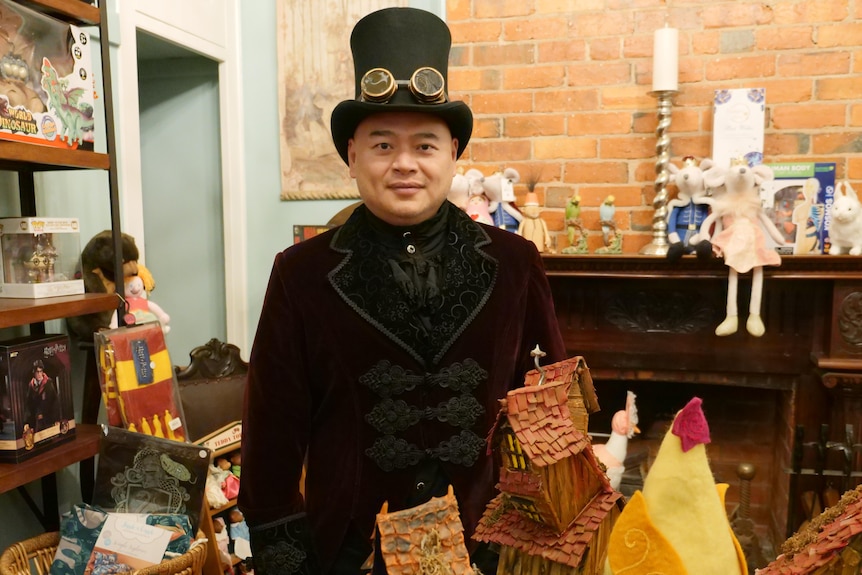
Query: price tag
x: 507, y: 190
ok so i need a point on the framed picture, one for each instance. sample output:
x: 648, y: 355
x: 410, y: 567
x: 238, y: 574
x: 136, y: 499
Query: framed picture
x: 315, y: 73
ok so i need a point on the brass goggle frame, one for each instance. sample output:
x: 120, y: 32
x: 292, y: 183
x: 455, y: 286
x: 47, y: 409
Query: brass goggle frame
x: 427, y: 85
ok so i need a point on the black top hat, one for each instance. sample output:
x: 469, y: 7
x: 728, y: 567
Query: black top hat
x: 401, y: 41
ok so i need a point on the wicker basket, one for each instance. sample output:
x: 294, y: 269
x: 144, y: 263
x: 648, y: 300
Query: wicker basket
x: 38, y: 553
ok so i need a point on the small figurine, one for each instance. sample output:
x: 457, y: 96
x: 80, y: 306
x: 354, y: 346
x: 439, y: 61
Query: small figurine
x: 500, y: 189
x: 612, y: 454
x: 222, y: 542
x: 532, y: 227
x: 845, y: 232
x: 478, y: 208
x: 688, y: 210
x: 575, y: 225
x: 606, y: 217
x: 239, y: 533
x: 807, y: 218
x: 739, y: 239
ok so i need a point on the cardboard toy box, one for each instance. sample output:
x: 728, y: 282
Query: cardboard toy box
x: 36, y: 410
x: 46, y: 80
x: 39, y: 257
x: 798, y: 202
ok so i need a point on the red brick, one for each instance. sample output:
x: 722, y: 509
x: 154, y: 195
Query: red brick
x: 566, y: 101
x: 512, y: 150
x: 534, y: 77
x: 854, y: 169
x: 458, y: 10
x: 837, y: 143
x: 582, y: 172
x: 786, y: 144
x: 810, y: 11
x: 600, y: 123
x: 533, y: 125
x: 626, y: 97
x: 707, y: 42
x: 599, y: 74
x: 487, y: 128
x: 638, y: 46
x: 736, y: 14
x: 564, y: 148
x: 786, y: 91
x: 796, y: 116
x: 562, y: 51
x: 632, y: 147
x: 501, y: 8
x: 472, y: 79
x: 536, y: 29
x: 505, y: 55
x: 470, y: 31
x: 605, y: 48
x: 741, y: 67
x: 856, y: 115
x: 813, y: 64
x: 785, y: 38
x: 847, y: 88
x: 567, y: 7
x: 501, y: 103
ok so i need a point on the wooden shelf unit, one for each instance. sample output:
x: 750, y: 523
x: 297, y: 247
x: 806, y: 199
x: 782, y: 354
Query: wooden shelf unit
x: 26, y: 159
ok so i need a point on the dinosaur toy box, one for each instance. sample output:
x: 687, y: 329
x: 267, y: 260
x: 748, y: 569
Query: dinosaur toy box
x: 46, y: 80
x: 39, y: 257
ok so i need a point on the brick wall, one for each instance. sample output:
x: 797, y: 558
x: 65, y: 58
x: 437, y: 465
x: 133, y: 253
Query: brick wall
x: 560, y: 91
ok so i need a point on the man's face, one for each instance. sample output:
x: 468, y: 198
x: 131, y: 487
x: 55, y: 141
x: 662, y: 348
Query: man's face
x: 403, y: 163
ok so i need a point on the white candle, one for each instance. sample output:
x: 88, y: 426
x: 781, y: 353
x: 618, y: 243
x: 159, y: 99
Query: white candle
x: 665, y: 67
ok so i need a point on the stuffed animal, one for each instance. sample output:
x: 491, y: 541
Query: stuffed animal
x: 845, y: 231
x: 624, y: 425
x: 500, y: 190
x: 97, y: 272
x: 139, y: 308
x: 688, y: 209
x: 677, y: 525
x: 739, y: 239
x: 459, y: 191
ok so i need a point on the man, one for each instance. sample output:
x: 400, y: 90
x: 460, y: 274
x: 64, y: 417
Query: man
x: 392, y: 337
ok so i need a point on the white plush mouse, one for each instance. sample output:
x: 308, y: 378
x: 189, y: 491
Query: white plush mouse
x: 739, y: 238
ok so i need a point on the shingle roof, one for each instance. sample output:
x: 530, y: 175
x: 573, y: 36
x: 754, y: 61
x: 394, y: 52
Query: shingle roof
x: 503, y: 525
x: 541, y: 421
x: 823, y: 540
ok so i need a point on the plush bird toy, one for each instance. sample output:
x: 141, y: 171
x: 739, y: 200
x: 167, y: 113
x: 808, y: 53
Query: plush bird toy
x: 678, y: 524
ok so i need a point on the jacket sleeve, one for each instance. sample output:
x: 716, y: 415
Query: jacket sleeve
x: 276, y: 423
x: 283, y: 547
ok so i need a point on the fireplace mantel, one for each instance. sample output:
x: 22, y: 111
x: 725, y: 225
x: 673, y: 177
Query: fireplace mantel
x: 644, y: 319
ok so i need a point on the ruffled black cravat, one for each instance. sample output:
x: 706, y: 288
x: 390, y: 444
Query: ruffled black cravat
x: 414, y: 256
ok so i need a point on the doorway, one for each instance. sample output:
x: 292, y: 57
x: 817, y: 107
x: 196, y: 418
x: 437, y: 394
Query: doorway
x: 181, y: 179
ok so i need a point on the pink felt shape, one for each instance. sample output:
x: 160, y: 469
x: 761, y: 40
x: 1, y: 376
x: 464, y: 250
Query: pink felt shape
x: 690, y: 425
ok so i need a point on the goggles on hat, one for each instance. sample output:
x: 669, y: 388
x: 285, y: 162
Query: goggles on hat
x: 426, y: 84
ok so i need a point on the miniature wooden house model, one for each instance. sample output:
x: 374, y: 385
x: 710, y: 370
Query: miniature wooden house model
x: 831, y: 544
x: 428, y: 538
x: 556, y: 508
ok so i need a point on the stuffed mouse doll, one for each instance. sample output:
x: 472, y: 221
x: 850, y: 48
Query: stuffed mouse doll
x: 739, y: 239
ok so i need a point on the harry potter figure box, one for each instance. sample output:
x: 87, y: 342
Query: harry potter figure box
x: 36, y: 411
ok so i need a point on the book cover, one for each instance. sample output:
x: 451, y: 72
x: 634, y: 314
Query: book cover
x: 798, y: 201
x: 139, y: 473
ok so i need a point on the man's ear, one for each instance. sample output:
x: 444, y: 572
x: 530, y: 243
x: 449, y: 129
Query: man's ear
x: 351, y: 157
x: 454, y: 150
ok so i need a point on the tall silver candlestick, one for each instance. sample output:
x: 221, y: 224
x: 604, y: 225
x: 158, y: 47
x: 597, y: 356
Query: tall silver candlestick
x: 658, y: 246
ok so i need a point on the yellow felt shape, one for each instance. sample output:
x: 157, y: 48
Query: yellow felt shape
x: 636, y: 547
x: 685, y: 506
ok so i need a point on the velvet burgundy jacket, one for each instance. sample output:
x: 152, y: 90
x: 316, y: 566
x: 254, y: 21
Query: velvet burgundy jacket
x: 343, y: 370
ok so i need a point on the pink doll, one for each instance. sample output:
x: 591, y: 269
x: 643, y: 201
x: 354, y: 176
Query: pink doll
x: 739, y: 219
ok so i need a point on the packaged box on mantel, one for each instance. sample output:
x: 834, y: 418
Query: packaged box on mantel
x: 737, y: 127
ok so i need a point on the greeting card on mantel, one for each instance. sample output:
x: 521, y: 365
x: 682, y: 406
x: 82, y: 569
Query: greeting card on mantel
x: 737, y: 129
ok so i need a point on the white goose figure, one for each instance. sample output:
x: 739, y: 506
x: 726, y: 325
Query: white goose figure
x: 613, y: 453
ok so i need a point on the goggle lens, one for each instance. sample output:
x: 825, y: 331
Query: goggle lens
x: 426, y: 84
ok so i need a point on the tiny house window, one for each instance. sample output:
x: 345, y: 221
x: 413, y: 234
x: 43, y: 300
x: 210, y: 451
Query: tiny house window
x: 526, y: 507
x: 513, y: 454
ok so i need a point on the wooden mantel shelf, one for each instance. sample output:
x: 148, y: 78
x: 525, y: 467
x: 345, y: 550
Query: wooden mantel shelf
x: 627, y: 266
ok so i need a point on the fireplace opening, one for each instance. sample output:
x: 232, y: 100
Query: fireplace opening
x: 747, y: 425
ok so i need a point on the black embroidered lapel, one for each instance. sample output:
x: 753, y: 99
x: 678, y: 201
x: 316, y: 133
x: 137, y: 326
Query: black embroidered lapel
x: 365, y: 280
